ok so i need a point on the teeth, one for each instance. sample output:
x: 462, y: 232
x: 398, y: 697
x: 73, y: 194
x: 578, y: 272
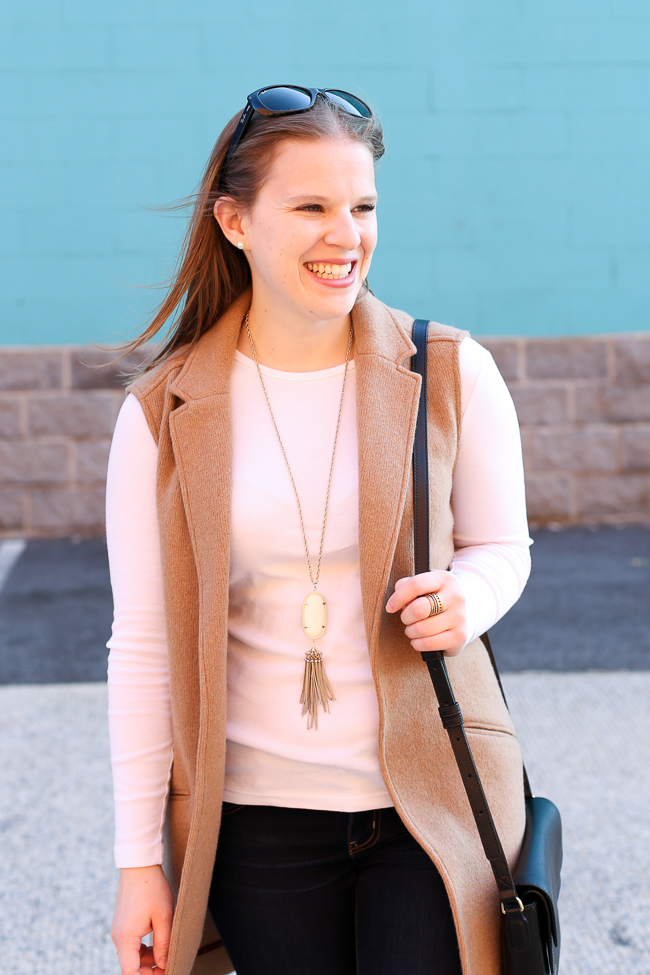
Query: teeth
x: 330, y: 271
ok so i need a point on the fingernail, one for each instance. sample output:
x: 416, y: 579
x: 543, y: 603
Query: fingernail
x: 389, y: 605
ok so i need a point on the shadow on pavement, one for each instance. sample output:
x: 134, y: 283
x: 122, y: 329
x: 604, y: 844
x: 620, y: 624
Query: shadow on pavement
x: 56, y: 613
x: 586, y: 607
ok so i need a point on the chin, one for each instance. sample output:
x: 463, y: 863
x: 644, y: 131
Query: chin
x: 338, y: 306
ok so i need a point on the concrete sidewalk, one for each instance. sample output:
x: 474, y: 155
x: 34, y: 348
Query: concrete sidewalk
x: 576, y: 649
x: 586, y: 738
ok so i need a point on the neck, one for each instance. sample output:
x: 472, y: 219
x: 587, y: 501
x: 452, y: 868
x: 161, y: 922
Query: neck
x: 294, y: 344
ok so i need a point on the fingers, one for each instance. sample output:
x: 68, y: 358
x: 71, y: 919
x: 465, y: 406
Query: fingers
x: 147, y: 961
x: 406, y: 590
x: 140, y: 959
x: 420, y: 609
x: 446, y: 631
x: 144, y: 904
x: 128, y: 953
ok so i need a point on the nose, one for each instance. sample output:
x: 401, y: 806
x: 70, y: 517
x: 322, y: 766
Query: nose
x: 342, y: 231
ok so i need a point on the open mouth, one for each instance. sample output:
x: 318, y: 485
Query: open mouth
x: 329, y: 271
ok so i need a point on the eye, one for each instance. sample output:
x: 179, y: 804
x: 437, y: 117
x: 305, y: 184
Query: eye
x: 366, y: 207
x: 311, y: 208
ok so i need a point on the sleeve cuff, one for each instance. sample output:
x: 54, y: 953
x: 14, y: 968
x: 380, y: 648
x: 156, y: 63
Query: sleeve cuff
x: 139, y: 856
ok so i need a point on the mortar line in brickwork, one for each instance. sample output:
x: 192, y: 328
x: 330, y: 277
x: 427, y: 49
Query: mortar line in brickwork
x: 72, y: 463
x: 574, y: 510
x: 23, y: 399
x: 559, y: 383
x: 611, y: 360
x: 571, y: 407
x: 522, y: 371
x: 66, y: 369
x: 619, y: 448
x: 27, y: 511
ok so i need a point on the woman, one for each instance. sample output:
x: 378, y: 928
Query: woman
x: 264, y: 671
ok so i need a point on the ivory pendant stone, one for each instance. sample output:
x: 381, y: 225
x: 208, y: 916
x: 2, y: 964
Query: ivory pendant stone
x: 314, y: 615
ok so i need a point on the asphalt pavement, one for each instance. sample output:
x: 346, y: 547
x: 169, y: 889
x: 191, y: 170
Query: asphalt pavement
x: 586, y: 607
x: 55, y: 613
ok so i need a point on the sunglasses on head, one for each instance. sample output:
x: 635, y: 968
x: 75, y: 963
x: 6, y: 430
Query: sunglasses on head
x: 289, y: 100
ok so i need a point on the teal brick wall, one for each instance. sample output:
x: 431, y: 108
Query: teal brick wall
x: 515, y: 195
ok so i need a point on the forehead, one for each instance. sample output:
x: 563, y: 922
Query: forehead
x: 310, y: 165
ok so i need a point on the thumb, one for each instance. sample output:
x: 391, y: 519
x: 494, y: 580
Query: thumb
x: 162, y: 929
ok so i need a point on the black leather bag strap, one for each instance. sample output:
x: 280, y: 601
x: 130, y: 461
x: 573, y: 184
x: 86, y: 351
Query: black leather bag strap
x: 421, y: 453
x: 448, y: 707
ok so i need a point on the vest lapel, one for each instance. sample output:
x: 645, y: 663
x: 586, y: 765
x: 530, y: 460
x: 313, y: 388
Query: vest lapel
x: 387, y: 403
x: 201, y: 433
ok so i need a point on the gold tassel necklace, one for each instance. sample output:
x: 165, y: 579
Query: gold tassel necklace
x: 316, y: 688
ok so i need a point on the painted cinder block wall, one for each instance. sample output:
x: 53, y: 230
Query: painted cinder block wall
x: 515, y: 197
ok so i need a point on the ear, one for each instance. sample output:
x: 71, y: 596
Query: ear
x: 230, y: 219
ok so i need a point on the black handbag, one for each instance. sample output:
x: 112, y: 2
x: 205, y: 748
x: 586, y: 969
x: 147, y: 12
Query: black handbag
x: 530, y: 930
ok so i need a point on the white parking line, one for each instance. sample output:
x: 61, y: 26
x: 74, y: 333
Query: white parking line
x: 10, y: 551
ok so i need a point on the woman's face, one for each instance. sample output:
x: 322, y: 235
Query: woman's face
x: 311, y: 234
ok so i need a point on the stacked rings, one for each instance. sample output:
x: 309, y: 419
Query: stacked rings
x: 436, y: 603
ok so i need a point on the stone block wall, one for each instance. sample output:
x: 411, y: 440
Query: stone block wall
x: 583, y: 405
x: 584, y: 410
x: 58, y: 407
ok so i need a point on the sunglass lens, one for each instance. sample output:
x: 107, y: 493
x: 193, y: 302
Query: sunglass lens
x: 351, y: 104
x: 280, y: 99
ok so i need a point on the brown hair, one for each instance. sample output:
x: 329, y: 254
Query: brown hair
x: 211, y: 273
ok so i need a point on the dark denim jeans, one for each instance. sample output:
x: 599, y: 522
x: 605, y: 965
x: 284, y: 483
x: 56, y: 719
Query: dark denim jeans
x: 312, y: 892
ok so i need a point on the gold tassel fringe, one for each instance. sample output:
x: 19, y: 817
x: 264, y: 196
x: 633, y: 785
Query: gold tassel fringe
x: 316, y: 688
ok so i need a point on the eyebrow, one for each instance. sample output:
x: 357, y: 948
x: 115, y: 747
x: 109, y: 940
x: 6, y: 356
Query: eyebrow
x: 316, y: 198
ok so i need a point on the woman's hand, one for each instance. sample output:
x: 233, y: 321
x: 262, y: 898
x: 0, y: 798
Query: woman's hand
x: 145, y: 903
x: 448, y: 630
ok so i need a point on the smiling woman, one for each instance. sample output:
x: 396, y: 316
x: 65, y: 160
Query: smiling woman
x: 309, y: 241
x: 215, y: 265
x: 264, y: 706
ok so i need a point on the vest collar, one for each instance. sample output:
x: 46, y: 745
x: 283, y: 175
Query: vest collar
x: 207, y: 370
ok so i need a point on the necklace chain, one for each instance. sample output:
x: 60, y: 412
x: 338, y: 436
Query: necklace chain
x: 314, y: 581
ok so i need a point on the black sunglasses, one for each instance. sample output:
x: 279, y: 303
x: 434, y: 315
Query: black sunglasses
x: 289, y: 100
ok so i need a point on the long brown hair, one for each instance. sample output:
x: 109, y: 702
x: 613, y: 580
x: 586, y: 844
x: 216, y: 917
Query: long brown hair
x: 211, y: 273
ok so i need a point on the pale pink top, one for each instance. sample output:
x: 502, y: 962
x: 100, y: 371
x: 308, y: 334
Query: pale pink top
x: 272, y: 758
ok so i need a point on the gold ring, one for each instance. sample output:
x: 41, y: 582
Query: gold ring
x: 436, y: 604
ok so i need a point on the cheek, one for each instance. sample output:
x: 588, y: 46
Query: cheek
x: 369, y: 239
x: 283, y: 246
x: 368, y: 242
x: 271, y: 251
